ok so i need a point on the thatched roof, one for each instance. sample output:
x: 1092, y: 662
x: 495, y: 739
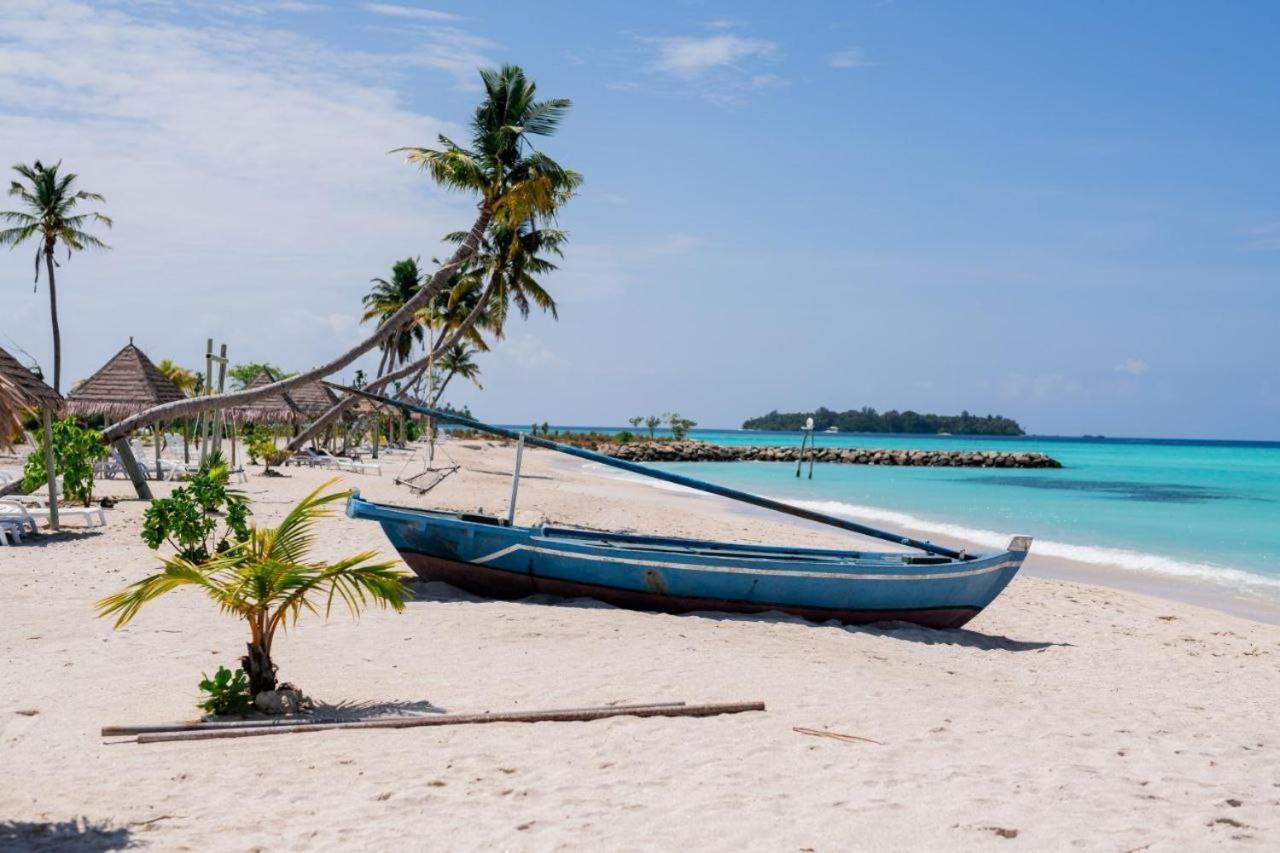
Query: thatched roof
x: 313, y: 399
x: 20, y: 390
x: 30, y: 386
x: 278, y: 408
x: 126, y: 385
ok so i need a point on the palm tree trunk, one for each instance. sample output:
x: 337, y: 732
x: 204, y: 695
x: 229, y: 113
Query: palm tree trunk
x: 260, y: 669
x: 390, y: 326
x: 421, y: 364
x: 440, y: 390
x: 53, y: 317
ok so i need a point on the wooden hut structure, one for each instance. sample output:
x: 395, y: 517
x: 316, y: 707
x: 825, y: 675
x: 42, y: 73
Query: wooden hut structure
x: 276, y: 409
x: 21, y: 391
x: 127, y: 384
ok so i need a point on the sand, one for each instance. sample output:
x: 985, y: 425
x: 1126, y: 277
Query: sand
x: 1066, y: 716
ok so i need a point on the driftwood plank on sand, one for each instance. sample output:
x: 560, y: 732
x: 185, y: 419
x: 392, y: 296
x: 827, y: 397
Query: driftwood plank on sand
x: 564, y: 715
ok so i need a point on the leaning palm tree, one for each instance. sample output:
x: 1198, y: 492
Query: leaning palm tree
x: 50, y: 201
x: 384, y: 300
x: 506, y: 263
x: 269, y: 579
x: 456, y: 361
x: 513, y: 183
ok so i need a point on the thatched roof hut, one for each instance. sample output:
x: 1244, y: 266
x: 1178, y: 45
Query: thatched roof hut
x: 127, y: 384
x: 313, y: 399
x: 20, y: 391
x: 276, y: 409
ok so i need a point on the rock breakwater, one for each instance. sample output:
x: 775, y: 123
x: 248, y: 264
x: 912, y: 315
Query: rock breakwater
x: 699, y: 451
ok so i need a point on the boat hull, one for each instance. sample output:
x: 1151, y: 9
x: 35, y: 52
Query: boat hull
x: 682, y: 576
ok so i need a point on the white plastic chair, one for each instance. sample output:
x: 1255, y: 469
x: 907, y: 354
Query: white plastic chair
x: 15, y: 515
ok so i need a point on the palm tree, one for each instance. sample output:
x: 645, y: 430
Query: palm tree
x: 508, y: 260
x: 456, y: 361
x: 185, y: 380
x: 269, y: 580
x: 513, y: 183
x: 50, y: 200
x: 388, y: 297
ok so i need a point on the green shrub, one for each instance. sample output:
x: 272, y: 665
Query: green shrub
x: 227, y: 693
x: 188, y: 518
x: 624, y: 437
x: 75, y: 449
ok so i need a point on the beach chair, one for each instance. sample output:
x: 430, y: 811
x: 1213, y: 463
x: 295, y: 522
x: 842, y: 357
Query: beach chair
x: 10, y: 532
x: 91, y: 516
x: 355, y: 466
x: 17, y: 517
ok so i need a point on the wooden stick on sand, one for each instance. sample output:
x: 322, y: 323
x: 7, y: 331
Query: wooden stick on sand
x: 566, y: 715
x: 272, y: 722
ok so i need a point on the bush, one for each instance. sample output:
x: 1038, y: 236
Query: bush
x: 624, y: 437
x: 188, y: 518
x: 75, y: 449
x: 227, y: 693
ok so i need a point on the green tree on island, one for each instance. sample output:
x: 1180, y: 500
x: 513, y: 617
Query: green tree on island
x: 50, y: 200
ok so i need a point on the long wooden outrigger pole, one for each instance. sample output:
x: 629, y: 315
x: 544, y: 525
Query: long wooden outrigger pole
x: 645, y: 471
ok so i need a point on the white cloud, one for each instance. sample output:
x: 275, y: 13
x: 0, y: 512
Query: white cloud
x: 689, y: 56
x: 851, y: 58
x: 246, y: 169
x: 1133, y: 367
x: 528, y: 352
x: 395, y: 10
x: 1264, y: 238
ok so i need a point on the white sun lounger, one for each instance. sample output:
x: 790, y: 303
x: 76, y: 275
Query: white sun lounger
x: 12, y: 510
x: 10, y: 532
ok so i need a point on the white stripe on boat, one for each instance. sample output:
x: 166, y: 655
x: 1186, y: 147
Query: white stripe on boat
x: 735, y: 570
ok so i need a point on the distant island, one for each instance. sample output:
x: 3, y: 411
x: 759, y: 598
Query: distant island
x: 869, y: 420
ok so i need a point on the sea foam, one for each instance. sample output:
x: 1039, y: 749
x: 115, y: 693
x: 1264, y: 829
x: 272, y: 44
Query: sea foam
x: 1121, y: 558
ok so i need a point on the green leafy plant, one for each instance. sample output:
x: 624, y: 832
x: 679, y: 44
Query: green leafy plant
x: 75, y: 449
x: 680, y: 426
x: 188, y: 519
x: 227, y: 693
x: 269, y: 580
x: 624, y: 437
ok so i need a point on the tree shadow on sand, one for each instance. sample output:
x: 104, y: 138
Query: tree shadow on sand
x: 351, y: 709
x: 45, y: 538
x: 905, y: 631
x: 79, y: 835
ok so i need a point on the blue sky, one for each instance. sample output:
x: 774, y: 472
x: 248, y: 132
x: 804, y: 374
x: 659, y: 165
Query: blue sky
x: 1066, y: 213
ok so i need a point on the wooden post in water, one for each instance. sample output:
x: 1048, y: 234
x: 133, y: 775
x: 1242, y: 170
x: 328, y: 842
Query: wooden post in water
x: 46, y: 418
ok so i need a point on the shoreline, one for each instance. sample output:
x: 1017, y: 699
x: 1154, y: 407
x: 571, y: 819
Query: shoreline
x: 1205, y: 592
x: 1050, y: 716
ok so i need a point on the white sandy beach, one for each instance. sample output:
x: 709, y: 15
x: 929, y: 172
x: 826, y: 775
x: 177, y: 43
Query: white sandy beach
x: 1066, y: 716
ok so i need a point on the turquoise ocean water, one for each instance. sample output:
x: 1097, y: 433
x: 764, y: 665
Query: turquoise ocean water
x: 1197, y: 509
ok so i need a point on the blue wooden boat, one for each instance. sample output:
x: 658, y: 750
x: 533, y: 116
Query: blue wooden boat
x: 938, y: 588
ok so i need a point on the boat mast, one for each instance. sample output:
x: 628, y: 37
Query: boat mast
x: 678, y: 479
